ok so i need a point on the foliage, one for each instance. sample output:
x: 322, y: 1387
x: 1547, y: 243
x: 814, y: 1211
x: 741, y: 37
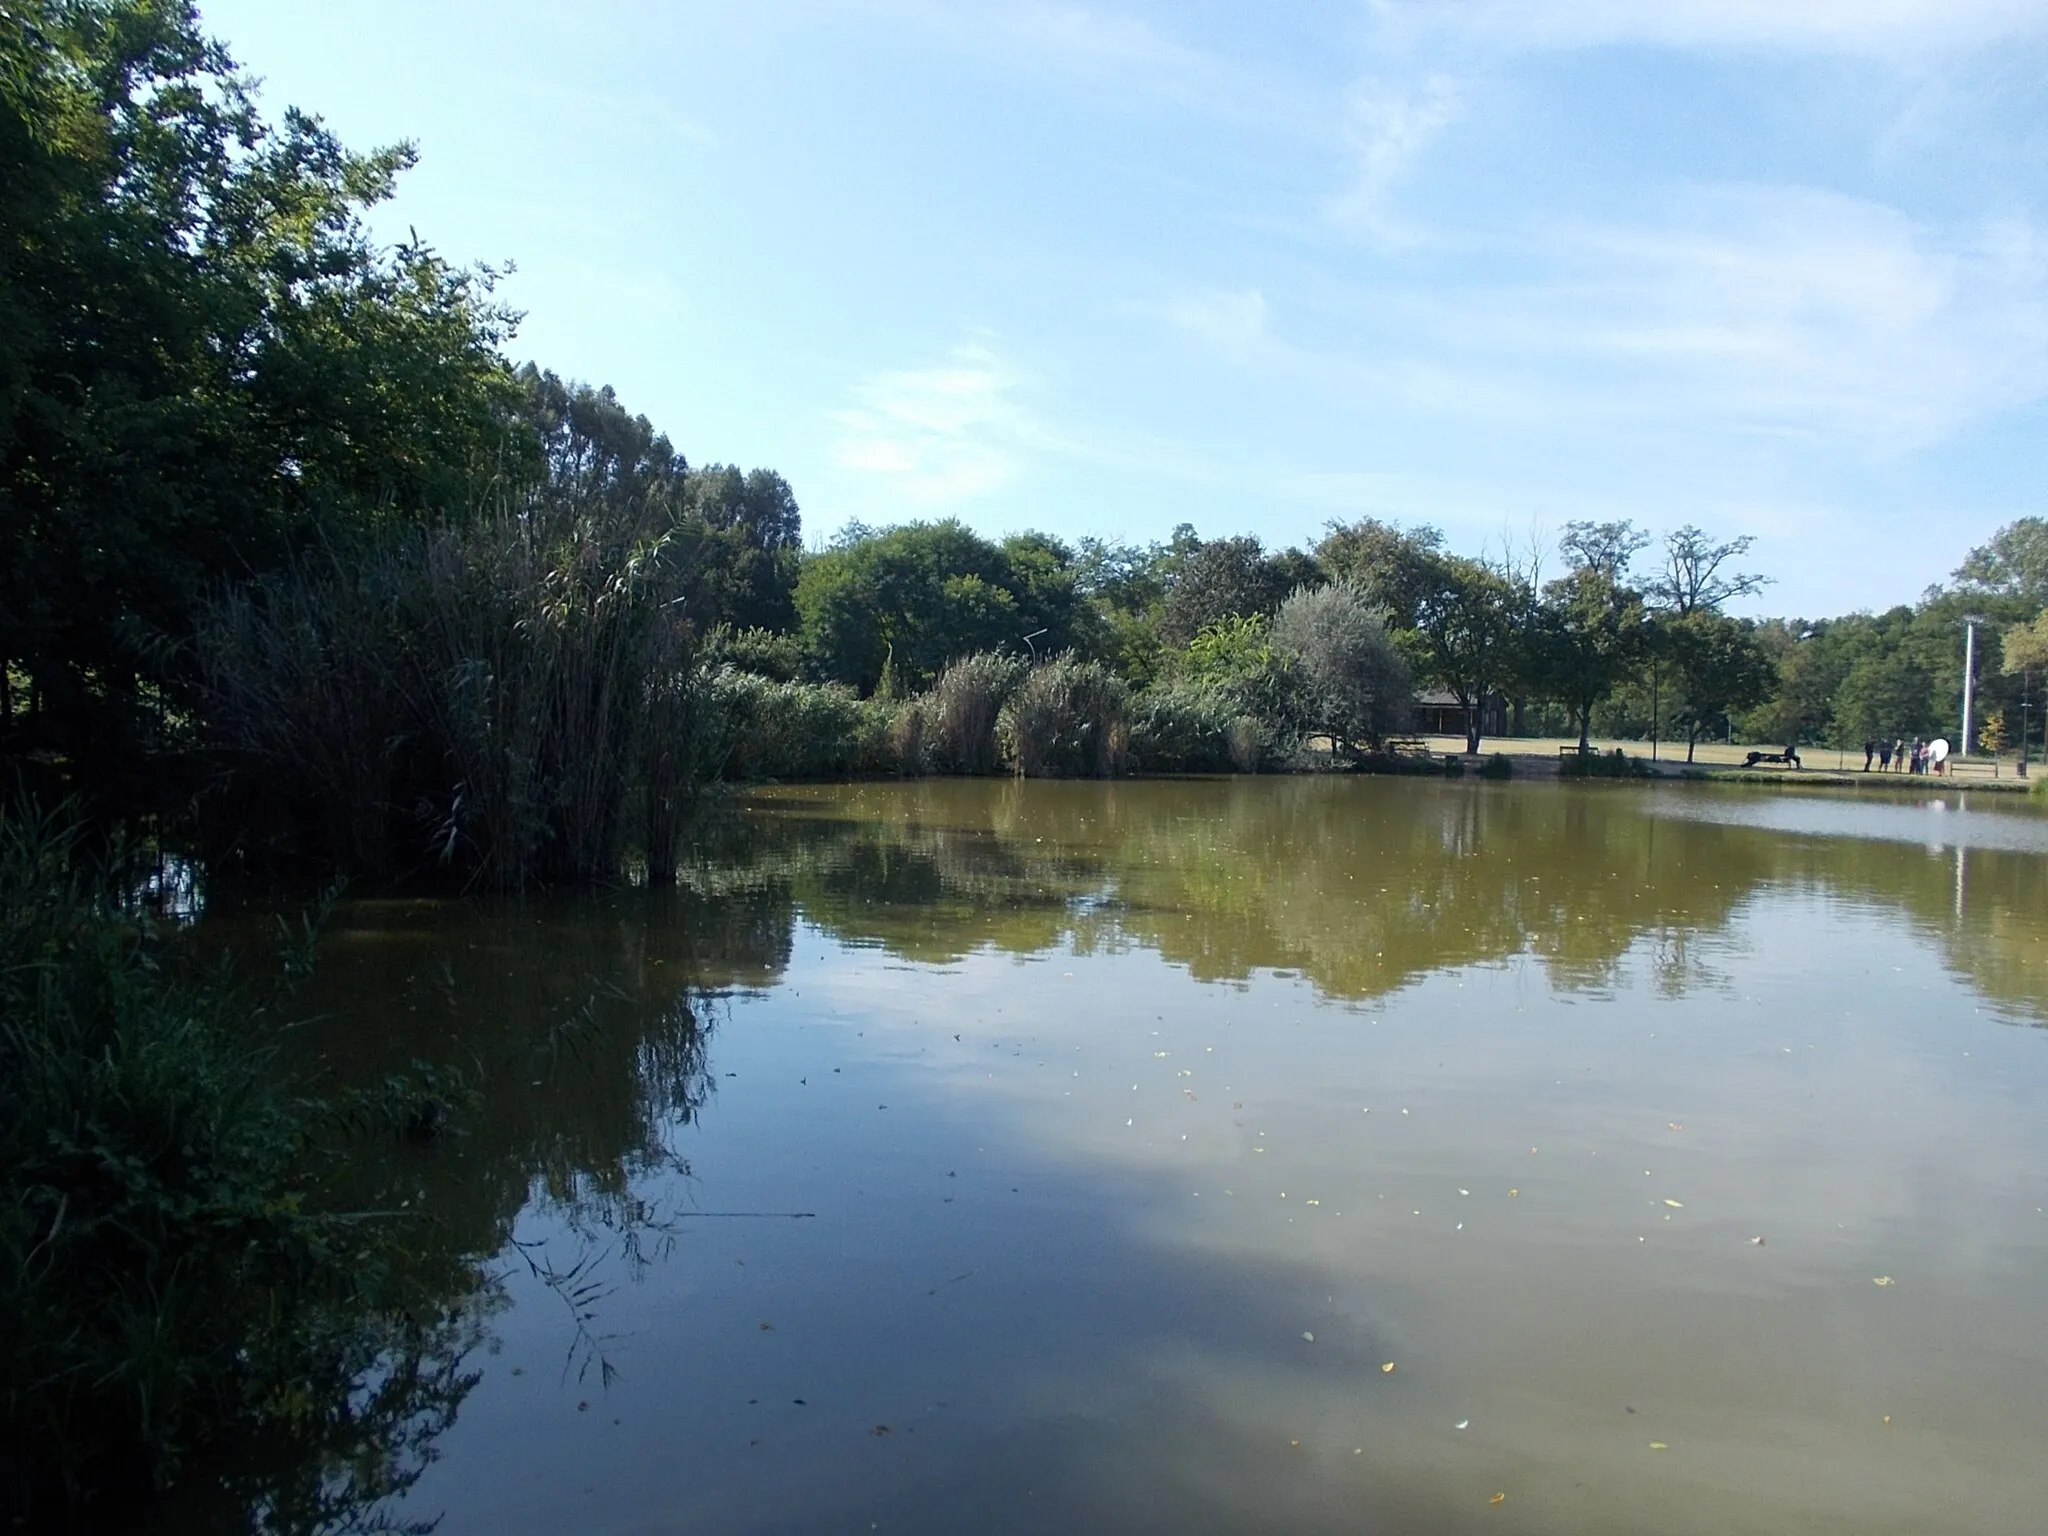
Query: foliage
x: 2014, y: 564
x: 483, y: 697
x: 923, y: 594
x: 1616, y: 764
x: 203, y: 359
x: 1185, y: 727
x: 1588, y: 634
x: 1356, y: 687
x: 964, y: 707
x: 1695, y: 576
x: 2026, y: 646
x: 1497, y: 766
x: 172, y: 1283
x: 1721, y: 668
x: 1471, y: 623
x: 1396, y: 568
x: 1220, y: 579
x: 1068, y: 719
x: 761, y: 729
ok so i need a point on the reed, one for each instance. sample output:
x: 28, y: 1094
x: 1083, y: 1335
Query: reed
x: 966, y: 703
x: 1068, y: 719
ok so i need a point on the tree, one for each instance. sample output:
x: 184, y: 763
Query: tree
x: 1588, y: 634
x: 2014, y: 563
x: 1221, y: 579
x: 2026, y: 646
x: 1884, y: 695
x: 1469, y: 623
x: 1394, y: 567
x: 1607, y: 549
x: 1694, y: 576
x: 1356, y: 684
x: 204, y: 362
x: 904, y: 602
x: 1721, y: 669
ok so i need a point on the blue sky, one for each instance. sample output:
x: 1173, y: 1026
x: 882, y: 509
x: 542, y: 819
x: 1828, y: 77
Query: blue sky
x: 1777, y: 267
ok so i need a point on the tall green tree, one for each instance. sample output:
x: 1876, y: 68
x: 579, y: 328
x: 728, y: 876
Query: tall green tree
x: 204, y: 359
x: 1587, y: 636
x: 1228, y: 578
x: 1722, y: 669
x: 905, y: 601
x: 1471, y: 624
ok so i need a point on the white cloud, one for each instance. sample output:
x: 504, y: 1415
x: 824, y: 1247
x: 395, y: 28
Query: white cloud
x: 1889, y: 27
x: 939, y: 436
x: 1233, y: 320
x: 1797, y: 310
x: 1387, y: 127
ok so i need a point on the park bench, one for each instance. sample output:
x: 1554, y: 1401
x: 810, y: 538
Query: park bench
x: 1785, y: 759
x: 1406, y: 746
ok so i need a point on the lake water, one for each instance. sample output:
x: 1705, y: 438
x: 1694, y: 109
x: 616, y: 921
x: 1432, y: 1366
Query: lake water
x: 1264, y: 1155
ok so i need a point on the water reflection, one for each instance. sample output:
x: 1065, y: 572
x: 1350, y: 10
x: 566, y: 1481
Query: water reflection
x: 1365, y: 887
x: 1075, y: 1078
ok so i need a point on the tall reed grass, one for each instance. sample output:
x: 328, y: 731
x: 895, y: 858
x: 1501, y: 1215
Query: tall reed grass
x: 1068, y: 719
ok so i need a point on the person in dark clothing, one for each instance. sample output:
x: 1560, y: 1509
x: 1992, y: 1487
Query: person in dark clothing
x: 1869, y: 751
x: 1884, y: 757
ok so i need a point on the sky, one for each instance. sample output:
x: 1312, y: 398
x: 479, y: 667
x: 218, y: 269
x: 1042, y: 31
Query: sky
x: 1778, y: 268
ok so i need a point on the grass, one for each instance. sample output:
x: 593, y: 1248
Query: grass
x: 171, y: 1286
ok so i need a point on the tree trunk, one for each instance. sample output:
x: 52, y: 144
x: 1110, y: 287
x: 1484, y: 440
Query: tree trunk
x: 1692, y: 732
x: 1472, y: 726
x: 1585, y: 729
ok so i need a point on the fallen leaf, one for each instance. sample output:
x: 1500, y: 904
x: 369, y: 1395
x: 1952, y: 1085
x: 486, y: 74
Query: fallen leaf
x: 1882, y: 1280
x: 1498, y: 1498
x: 1310, y: 1337
x: 1756, y: 1242
x: 1514, y: 1194
x: 1659, y: 1445
x: 1462, y: 1424
x: 1387, y: 1369
x: 1675, y: 1205
x: 767, y: 1327
x: 879, y: 1430
x: 1675, y: 1125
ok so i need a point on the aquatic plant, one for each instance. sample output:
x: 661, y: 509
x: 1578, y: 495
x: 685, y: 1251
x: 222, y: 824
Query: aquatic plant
x: 1068, y: 719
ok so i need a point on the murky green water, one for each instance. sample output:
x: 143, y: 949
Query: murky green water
x: 979, y: 1156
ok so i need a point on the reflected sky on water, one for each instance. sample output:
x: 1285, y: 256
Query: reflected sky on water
x: 992, y: 1156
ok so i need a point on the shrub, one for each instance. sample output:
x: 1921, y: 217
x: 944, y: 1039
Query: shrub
x: 1355, y: 687
x: 1183, y: 728
x: 763, y: 729
x: 966, y: 703
x: 169, y: 1279
x: 1068, y: 719
x: 1454, y: 766
x: 1616, y: 764
x: 484, y: 695
x: 1498, y: 766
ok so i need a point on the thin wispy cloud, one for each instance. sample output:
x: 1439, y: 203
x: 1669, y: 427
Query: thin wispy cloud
x: 1872, y: 27
x: 936, y: 437
x: 1387, y: 127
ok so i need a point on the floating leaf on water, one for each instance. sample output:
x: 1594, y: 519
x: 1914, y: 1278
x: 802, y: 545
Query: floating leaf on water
x: 1514, y: 1194
x: 1462, y: 1424
x: 1676, y: 1205
x: 1310, y: 1337
x: 1882, y: 1280
x: 1498, y: 1498
x: 1675, y: 1125
x: 1659, y: 1445
x: 1756, y: 1242
x: 879, y: 1430
x: 1387, y: 1369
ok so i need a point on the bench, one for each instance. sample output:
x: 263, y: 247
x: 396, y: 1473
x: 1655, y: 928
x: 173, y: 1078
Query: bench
x: 1406, y: 746
x: 1785, y: 759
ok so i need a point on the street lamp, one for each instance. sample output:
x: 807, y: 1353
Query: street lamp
x: 1034, y: 649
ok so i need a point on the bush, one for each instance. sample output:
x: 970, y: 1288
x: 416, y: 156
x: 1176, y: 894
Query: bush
x: 483, y: 695
x: 1616, y: 764
x: 1183, y: 728
x: 1498, y: 766
x: 761, y: 729
x: 965, y: 705
x: 1068, y: 719
x: 1355, y: 688
x: 169, y: 1282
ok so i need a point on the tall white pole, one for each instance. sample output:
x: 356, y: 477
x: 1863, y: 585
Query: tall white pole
x: 1969, y: 678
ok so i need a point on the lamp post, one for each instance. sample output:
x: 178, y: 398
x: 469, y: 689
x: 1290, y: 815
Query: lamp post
x: 1033, y: 649
x: 1970, y: 623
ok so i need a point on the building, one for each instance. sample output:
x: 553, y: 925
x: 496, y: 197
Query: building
x: 1438, y: 713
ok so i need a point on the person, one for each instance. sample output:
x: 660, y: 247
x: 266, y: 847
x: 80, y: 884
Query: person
x: 1899, y: 754
x: 1919, y: 756
x: 1884, y: 756
x: 1792, y: 754
x: 1869, y: 751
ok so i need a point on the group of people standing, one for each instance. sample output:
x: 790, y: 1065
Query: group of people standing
x: 1900, y: 756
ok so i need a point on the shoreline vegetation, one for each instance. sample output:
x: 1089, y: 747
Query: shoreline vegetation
x: 302, y: 576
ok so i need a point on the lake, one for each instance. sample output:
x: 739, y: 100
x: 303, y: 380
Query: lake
x: 1262, y: 1155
